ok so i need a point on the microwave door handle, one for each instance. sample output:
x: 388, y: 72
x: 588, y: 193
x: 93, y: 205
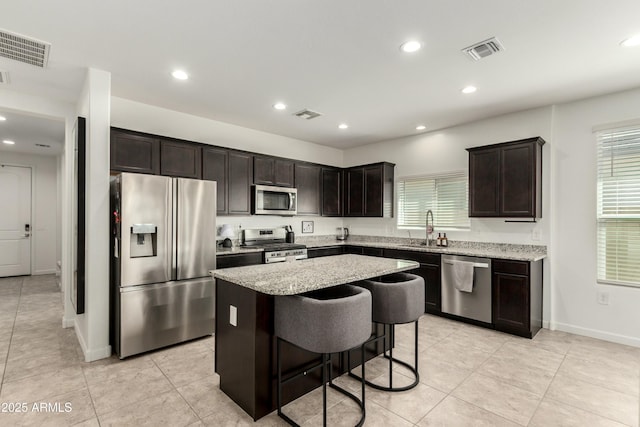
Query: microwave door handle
x: 290, y: 201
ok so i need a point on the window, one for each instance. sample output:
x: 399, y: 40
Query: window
x: 619, y: 206
x: 446, y: 195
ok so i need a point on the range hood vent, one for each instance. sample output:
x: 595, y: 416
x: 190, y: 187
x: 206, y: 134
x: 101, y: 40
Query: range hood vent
x: 483, y: 49
x: 307, y: 114
x: 24, y: 49
x: 4, y: 77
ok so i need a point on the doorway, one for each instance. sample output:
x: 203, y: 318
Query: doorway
x: 15, y: 220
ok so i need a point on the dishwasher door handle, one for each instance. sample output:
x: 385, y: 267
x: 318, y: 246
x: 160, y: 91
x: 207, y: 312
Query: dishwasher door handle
x: 475, y: 264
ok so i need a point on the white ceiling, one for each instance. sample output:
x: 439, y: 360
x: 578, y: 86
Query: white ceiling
x: 27, y: 131
x: 338, y: 57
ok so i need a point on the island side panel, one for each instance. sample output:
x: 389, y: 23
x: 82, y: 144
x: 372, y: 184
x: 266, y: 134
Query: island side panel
x: 235, y: 355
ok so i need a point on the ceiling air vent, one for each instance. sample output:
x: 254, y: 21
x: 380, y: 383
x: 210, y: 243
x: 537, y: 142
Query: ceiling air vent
x: 43, y: 145
x: 24, y: 49
x: 4, y: 77
x: 307, y: 114
x: 483, y: 49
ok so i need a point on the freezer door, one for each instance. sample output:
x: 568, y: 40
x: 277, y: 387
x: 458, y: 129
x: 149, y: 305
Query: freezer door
x: 145, y: 229
x: 154, y: 316
x: 196, y: 228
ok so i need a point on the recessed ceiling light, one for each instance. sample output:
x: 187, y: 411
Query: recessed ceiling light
x: 469, y: 89
x: 421, y: 127
x: 411, y: 46
x: 180, y: 75
x: 279, y: 106
x: 631, y: 41
x: 2, y: 118
x: 343, y: 126
x: 8, y: 142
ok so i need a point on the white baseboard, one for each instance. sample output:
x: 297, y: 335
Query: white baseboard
x: 91, y: 355
x: 594, y: 333
x: 546, y: 324
x: 68, y: 322
x: 43, y: 272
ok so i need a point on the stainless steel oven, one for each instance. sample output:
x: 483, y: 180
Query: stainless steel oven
x: 269, y: 200
x: 273, y: 242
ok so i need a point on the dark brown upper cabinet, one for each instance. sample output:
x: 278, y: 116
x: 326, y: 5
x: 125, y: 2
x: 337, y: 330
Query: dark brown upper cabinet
x: 272, y: 171
x: 180, y: 159
x: 131, y: 152
x: 240, y: 179
x: 215, y: 167
x: 331, y: 192
x: 369, y: 190
x: 308, y: 180
x: 505, y: 180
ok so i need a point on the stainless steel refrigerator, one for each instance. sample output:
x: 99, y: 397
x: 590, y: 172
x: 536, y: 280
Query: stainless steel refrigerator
x: 163, y: 246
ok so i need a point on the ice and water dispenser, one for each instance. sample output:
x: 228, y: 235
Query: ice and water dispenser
x: 144, y: 240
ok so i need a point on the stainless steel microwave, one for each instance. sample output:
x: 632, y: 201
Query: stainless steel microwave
x: 269, y: 200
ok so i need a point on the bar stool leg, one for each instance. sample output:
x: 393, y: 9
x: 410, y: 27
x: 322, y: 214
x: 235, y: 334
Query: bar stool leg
x: 324, y: 389
x: 279, y: 376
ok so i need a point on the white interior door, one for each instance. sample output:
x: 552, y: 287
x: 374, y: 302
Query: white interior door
x: 15, y: 221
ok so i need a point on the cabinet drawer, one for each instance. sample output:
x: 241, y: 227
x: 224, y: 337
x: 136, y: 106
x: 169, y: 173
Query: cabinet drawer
x: 238, y: 260
x: 328, y: 251
x: 421, y: 257
x: 510, y: 267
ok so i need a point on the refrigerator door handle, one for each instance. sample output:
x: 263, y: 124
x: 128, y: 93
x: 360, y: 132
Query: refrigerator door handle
x: 174, y: 228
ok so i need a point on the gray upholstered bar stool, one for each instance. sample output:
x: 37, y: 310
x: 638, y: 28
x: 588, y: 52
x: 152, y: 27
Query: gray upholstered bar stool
x: 327, y: 321
x: 397, y: 298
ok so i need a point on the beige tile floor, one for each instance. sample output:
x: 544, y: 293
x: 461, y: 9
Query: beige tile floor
x: 469, y: 377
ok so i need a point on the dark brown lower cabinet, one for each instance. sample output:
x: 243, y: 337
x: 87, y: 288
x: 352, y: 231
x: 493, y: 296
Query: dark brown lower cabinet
x: 429, y: 270
x: 325, y: 251
x: 238, y: 260
x: 517, y: 296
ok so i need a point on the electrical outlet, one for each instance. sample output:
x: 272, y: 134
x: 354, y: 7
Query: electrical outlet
x: 602, y: 297
x: 233, y: 315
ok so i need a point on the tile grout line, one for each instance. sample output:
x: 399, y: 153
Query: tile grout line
x: 564, y: 357
x: 4, y: 372
x: 93, y: 404
x: 176, y: 389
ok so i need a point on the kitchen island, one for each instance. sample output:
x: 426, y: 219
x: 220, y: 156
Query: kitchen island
x: 245, y: 343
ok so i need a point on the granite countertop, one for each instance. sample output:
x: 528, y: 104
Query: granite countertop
x: 491, y: 250
x: 291, y: 278
x: 479, y: 249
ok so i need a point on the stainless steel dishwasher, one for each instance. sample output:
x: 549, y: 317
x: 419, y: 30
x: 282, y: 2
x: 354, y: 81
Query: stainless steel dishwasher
x: 476, y: 304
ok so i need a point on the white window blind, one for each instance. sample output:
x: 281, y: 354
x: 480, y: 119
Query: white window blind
x: 446, y: 195
x: 619, y: 206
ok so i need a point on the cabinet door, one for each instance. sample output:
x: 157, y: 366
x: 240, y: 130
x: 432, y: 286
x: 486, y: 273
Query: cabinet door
x: 272, y: 171
x: 354, y: 192
x: 518, y: 169
x: 308, y: 185
x: 263, y: 170
x: 180, y: 159
x: 484, y: 182
x: 511, y: 303
x: 134, y: 153
x: 328, y: 251
x: 215, y: 167
x: 283, y: 173
x: 432, y: 291
x: 373, y: 186
x: 238, y: 260
x: 331, y: 192
x: 240, y: 179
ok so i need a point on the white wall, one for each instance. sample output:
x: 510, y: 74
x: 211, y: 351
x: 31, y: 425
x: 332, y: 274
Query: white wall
x: 160, y: 121
x: 92, y: 327
x: 574, y: 219
x: 44, y: 241
x: 444, y: 151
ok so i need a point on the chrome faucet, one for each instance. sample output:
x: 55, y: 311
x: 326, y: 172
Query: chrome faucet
x: 428, y: 230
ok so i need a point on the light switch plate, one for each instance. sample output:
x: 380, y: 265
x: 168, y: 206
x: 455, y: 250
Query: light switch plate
x: 233, y: 315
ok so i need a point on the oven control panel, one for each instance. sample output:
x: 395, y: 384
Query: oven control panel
x: 285, y: 255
